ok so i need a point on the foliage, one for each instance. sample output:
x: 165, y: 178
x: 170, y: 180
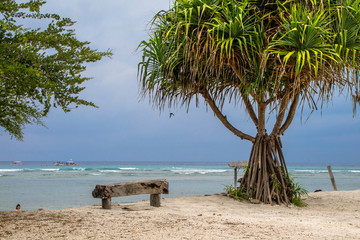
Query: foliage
x: 40, y: 67
x: 297, y: 194
x: 237, y: 193
x: 295, y: 190
x: 275, y: 183
x: 268, y: 51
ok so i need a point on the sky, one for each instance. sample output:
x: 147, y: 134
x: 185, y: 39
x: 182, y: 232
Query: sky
x: 126, y: 127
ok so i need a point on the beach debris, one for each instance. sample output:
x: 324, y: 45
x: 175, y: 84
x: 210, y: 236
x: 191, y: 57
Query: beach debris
x: 255, y: 201
x: 128, y: 209
x: 133, y: 209
x: 232, y: 223
x: 199, y: 215
x: 221, y: 194
x: 318, y: 190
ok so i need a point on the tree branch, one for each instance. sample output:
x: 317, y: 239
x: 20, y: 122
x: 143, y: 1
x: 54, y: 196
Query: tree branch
x: 281, y: 114
x: 261, y: 114
x: 290, y: 115
x: 223, y: 118
x: 277, y: 96
x: 250, y: 109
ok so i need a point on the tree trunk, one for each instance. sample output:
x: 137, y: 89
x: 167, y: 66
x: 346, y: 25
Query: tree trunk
x: 266, y: 177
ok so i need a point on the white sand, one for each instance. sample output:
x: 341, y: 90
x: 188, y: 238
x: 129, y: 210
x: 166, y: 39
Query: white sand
x: 329, y: 215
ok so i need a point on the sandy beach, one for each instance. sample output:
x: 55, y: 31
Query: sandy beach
x: 329, y: 215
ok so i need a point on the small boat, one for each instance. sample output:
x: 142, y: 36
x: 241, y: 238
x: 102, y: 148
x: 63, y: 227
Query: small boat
x: 17, y: 162
x: 68, y: 163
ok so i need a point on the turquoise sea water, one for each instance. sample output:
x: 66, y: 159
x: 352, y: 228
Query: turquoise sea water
x: 42, y: 185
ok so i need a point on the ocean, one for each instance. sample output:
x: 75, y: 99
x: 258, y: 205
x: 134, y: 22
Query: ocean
x: 42, y: 185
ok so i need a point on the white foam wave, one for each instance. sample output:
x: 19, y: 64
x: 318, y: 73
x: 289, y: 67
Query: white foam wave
x: 201, y: 171
x: 354, y: 171
x: 78, y: 169
x: 50, y: 169
x: 110, y: 171
x: 11, y: 170
x: 312, y: 171
x: 127, y: 168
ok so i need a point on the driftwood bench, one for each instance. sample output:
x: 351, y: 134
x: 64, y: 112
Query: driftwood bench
x: 152, y: 187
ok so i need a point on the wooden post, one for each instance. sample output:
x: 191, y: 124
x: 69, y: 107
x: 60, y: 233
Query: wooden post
x: 106, y: 203
x: 155, y: 200
x: 332, y: 177
x: 236, y: 166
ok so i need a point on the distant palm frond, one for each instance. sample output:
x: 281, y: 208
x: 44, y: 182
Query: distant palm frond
x: 356, y: 99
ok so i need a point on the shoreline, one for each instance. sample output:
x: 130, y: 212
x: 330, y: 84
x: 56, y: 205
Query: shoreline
x: 37, y: 186
x: 329, y: 215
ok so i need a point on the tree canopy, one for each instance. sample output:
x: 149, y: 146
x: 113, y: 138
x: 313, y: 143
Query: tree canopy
x: 41, y: 62
x: 261, y: 49
x: 271, y: 56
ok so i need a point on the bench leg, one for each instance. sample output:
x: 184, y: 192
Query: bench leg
x: 155, y: 200
x: 106, y: 203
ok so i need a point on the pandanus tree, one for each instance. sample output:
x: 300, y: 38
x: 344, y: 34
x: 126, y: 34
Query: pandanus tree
x: 271, y: 56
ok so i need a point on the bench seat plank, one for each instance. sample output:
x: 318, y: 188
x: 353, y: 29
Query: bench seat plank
x: 152, y: 187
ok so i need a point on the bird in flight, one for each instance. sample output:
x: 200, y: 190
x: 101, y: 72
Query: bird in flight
x: 171, y: 115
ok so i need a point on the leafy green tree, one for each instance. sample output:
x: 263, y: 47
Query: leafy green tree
x: 272, y: 56
x: 40, y: 67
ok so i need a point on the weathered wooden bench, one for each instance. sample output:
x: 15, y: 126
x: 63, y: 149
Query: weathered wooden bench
x: 152, y: 187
